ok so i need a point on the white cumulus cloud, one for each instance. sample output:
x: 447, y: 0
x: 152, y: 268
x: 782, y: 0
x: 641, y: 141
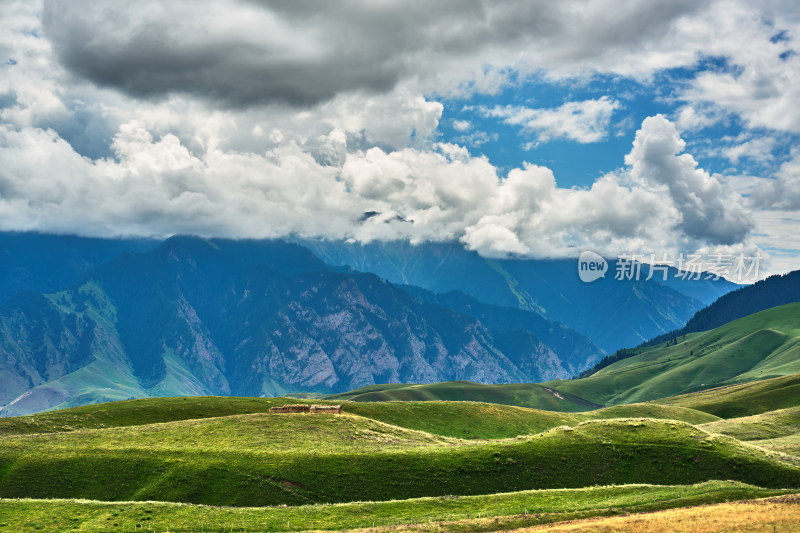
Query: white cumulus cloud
x: 584, y: 122
x: 709, y: 211
x: 157, y: 186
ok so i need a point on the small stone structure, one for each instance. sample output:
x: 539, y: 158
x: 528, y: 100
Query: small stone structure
x: 316, y: 409
x: 333, y: 409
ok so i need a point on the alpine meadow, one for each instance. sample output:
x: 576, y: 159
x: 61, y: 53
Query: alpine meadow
x: 454, y: 266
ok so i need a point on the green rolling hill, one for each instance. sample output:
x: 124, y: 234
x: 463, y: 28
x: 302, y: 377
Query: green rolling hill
x: 744, y: 399
x: 492, y: 512
x: 475, y: 420
x: 464, y: 464
x: 777, y: 430
x: 463, y: 419
x: 520, y: 394
x: 269, y: 459
x: 769, y: 425
x: 771, y: 292
x: 760, y: 346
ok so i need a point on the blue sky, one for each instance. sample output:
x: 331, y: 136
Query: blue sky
x: 579, y: 164
x: 518, y: 128
x: 574, y: 163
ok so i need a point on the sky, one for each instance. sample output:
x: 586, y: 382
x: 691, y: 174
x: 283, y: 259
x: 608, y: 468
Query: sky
x: 518, y: 128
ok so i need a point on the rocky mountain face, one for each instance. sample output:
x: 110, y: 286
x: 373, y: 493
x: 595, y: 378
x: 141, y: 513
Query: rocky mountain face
x: 612, y: 313
x: 574, y: 350
x: 38, y: 343
x: 255, y: 318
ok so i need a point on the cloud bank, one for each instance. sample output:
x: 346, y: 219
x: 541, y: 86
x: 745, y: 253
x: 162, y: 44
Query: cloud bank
x: 158, y: 186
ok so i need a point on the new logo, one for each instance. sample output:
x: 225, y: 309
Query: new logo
x: 591, y: 266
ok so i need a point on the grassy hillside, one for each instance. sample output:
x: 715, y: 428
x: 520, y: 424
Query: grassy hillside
x: 263, y: 459
x: 472, y: 420
x: 521, y: 394
x: 760, y: 346
x: 770, y: 514
x: 742, y: 400
x: 496, y: 511
x: 136, y: 413
x: 466, y: 466
x: 789, y: 444
x: 646, y: 410
x: 468, y: 420
x: 771, y: 425
x: 771, y: 292
x: 778, y: 431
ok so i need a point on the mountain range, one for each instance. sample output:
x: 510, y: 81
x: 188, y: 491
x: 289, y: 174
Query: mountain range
x: 87, y: 320
x: 613, y: 313
x: 745, y: 367
x: 248, y: 318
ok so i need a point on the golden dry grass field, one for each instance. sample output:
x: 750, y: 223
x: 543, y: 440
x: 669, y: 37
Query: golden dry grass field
x: 780, y: 514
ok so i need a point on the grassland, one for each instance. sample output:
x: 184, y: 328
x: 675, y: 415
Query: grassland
x: 760, y: 346
x: 135, y: 413
x: 789, y: 445
x: 778, y: 431
x: 771, y: 514
x: 467, y: 513
x: 170, y: 463
x: 530, y: 395
x: 743, y: 400
x: 474, y: 420
x: 265, y: 459
x: 719, y: 405
x: 227, y: 463
x: 470, y: 420
x: 770, y: 425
